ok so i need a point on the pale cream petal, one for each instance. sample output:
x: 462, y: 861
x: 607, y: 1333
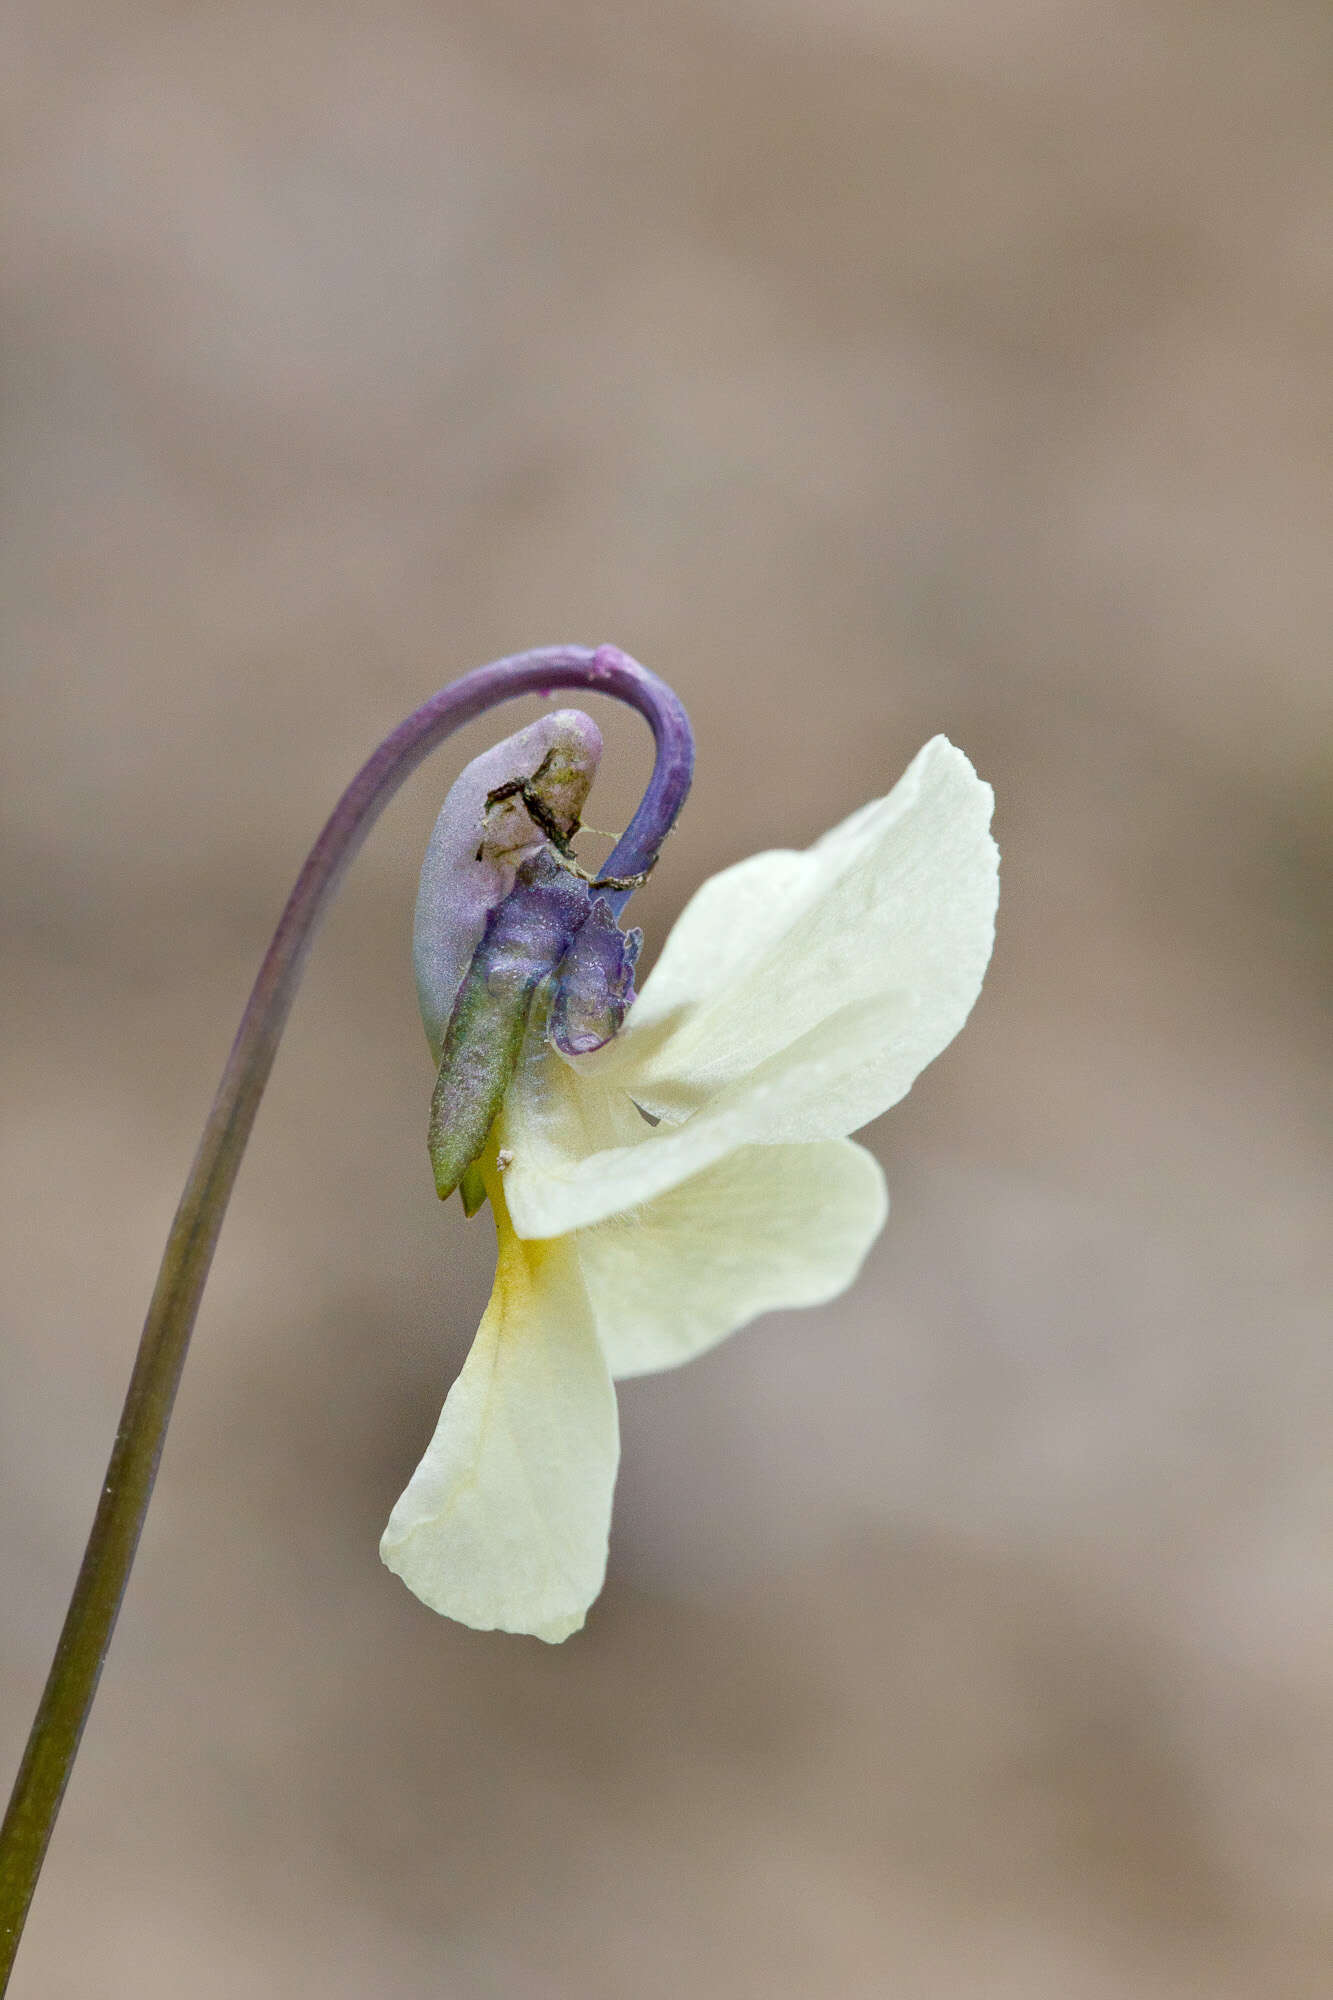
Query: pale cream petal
x: 504, y: 1523
x: 766, y: 1228
x: 899, y: 899
x: 741, y: 912
x: 875, y: 971
x: 729, y: 920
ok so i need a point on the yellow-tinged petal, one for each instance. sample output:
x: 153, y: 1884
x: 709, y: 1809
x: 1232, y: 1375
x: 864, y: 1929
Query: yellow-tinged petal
x: 767, y: 1227
x: 504, y: 1523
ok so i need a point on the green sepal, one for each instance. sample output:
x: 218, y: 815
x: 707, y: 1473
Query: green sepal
x: 472, y: 1188
x: 481, y: 1050
x: 525, y: 939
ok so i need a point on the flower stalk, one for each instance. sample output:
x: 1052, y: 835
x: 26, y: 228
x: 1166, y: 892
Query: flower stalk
x: 86, y: 1635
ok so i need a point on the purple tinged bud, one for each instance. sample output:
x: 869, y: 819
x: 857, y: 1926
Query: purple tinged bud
x: 476, y: 850
x: 594, y: 983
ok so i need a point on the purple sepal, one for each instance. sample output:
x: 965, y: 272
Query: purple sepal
x: 594, y: 983
x: 475, y: 853
x: 549, y: 924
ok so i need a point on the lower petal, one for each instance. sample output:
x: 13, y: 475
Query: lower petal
x: 767, y: 1227
x: 504, y: 1523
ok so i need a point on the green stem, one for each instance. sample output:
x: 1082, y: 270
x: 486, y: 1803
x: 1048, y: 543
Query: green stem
x: 91, y: 1618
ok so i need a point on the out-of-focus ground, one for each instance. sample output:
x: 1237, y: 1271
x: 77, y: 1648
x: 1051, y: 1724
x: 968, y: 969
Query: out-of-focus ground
x: 869, y: 369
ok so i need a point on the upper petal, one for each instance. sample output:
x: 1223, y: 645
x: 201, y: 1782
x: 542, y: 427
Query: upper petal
x: 898, y: 900
x: 504, y: 1523
x: 729, y: 921
x: 845, y: 971
x: 745, y: 910
x: 764, y: 1228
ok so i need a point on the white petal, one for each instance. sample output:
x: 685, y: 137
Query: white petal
x: 766, y: 1228
x: 504, y: 1523
x: 898, y: 900
x: 741, y: 912
x: 729, y: 920
x: 886, y: 928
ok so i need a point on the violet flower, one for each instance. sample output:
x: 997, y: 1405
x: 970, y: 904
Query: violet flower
x: 655, y: 1193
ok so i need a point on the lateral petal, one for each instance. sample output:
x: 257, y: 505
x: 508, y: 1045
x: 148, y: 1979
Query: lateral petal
x: 765, y: 1228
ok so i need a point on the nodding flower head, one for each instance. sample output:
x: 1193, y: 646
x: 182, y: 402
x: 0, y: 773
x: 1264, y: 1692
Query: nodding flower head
x: 660, y: 1171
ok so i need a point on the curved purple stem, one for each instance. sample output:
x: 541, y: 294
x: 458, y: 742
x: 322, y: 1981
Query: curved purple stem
x: 91, y: 1618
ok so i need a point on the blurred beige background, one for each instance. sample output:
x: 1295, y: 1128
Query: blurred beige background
x: 868, y: 369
